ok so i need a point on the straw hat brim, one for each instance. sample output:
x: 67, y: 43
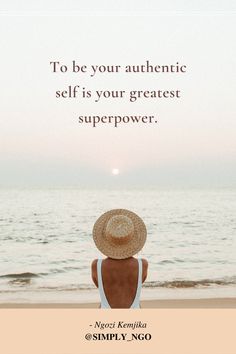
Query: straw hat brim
x: 132, y: 247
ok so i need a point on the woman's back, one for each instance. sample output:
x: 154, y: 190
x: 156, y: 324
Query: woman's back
x: 120, y: 280
x: 119, y: 234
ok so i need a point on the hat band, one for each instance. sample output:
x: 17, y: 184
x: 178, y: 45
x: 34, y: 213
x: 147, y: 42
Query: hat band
x: 119, y: 240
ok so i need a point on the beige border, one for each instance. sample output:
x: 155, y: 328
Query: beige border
x: 62, y: 331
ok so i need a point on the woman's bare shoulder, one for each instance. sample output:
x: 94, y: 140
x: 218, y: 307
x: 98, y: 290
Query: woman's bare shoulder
x: 94, y: 271
x: 145, y: 263
x: 94, y: 264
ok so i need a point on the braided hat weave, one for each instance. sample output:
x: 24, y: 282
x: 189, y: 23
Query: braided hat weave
x: 119, y: 233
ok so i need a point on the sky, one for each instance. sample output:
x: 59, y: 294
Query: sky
x: 193, y: 144
x: 122, y: 5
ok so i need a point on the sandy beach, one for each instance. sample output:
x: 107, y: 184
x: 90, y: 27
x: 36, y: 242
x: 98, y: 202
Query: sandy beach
x: 161, y: 304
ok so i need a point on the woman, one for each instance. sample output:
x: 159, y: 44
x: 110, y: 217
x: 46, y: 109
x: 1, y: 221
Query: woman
x: 119, y: 234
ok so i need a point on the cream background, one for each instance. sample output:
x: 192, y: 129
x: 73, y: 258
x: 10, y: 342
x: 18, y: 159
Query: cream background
x: 178, y: 331
x: 53, y: 331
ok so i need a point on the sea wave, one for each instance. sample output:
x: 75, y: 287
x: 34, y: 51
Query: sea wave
x: 26, y: 278
x: 20, y: 279
x: 19, y: 275
x: 190, y: 283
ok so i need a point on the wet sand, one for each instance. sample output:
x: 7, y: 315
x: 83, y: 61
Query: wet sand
x: 161, y: 304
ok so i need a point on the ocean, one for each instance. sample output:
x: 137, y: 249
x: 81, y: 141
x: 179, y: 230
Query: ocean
x: 46, y: 245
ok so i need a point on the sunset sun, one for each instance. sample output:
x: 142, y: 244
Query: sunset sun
x: 115, y: 171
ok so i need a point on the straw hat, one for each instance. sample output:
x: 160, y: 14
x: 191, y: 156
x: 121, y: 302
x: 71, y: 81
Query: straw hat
x: 119, y: 233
